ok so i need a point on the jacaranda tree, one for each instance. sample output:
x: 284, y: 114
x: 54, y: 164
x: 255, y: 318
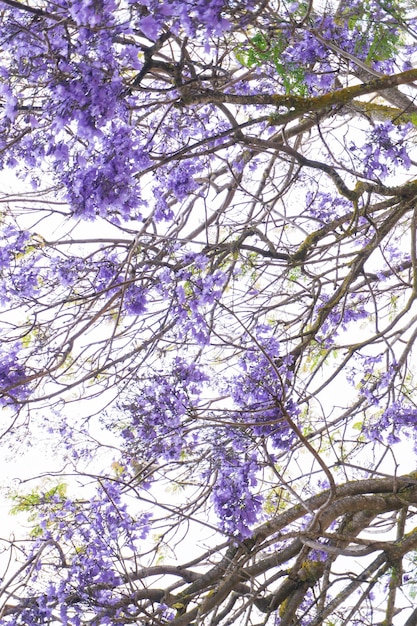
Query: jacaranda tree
x: 208, y: 292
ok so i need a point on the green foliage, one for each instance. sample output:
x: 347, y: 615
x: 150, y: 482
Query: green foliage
x: 248, y: 267
x: 384, y: 40
x: 317, y: 354
x: 275, y: 500
x: 294, y: 274
x: 260, y: 51
x: 385, y: 44
x: 256, y: 53
x: 32, y: 503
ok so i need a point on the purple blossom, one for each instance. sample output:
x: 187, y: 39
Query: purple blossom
x: 235, y: 502
x: 13, y: 376
x: 158, y: 411
x: 150, y: 27
x: 98, y: 274
x: 325, y: 207
x: 306, y: 50
x: 259, y: 390
x: 193, y: 291
x: 371, y: 378
x: 91, y: 14
x: 134, y: 300
x: 10, y: 102
x: 340, y: 317
x: 163, y: 211
x: 15, y: 244
x: 107, y: 185
x: 68, y: 270
x: 93, y: 533
x: 180, y: 180
x: 398, y: 420
x: 384, y: 149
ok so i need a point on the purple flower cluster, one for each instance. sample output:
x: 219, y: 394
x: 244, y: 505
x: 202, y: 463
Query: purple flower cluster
x: 13, y: 376
x: 9, y: 101
x: 193, y: 290
x: 90, y: 14
x: 193, y: 16
x: 397, y: 421
x: 176, y: 182
x: 340, y: 317
x: 134, y: 301
x: 376, y: 384
x: 372, y: 378
x: 237, y: 507
x: 100, y: 272
x: 181, y: 182
x: 159, y: 410
x: 259, y: 390
x: 306, y: 49
x: 88, y: 97
x: 102, y: 181
x: 83, y: 130
x: 18, y: 262
x: 384, y: 150
x: 94, y: 537
x: 352, y: 312
x: 358, y: 35
x: 68, y: 270
x: 325, y: 207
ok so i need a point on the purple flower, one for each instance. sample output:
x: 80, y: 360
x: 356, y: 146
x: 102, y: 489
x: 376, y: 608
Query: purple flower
x: 325, y: 207
x: 149, y: 27
x: 68, y: 270
x: 158, y: 411
x: 235, y: 502
x: 13, y: 385
x: 400, y: 418
x: 384, y: 149
x: 259, y: 390
x: 134, y: 300
x: 181, y: 182
x: 10, y: 102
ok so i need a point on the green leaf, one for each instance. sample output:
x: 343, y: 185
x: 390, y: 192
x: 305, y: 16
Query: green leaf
x: 32, y: 503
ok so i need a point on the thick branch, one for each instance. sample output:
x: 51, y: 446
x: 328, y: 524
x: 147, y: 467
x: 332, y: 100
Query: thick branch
x: 298, y: 103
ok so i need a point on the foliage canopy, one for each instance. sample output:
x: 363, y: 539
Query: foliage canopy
x: 209, y: 277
